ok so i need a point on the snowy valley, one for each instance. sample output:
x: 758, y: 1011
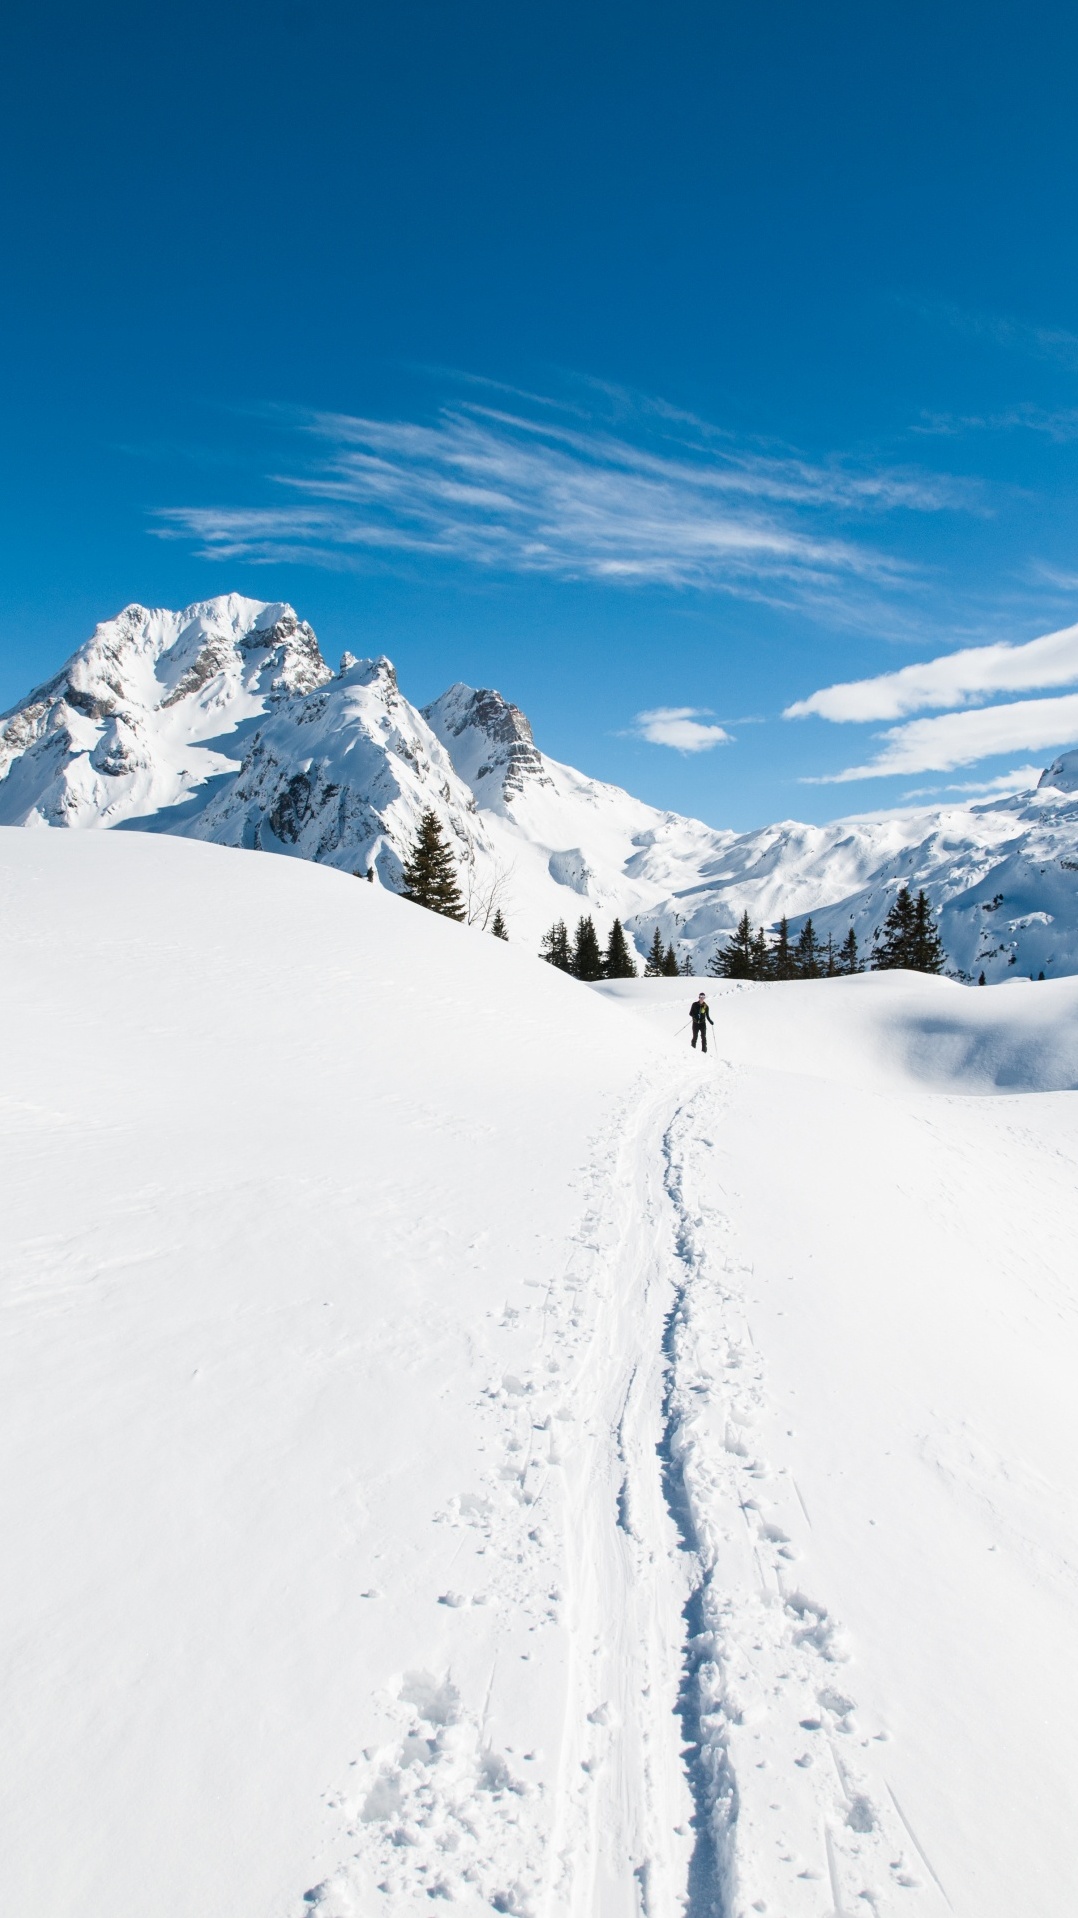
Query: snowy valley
x: 465, y: 1448
x: 224, y: 722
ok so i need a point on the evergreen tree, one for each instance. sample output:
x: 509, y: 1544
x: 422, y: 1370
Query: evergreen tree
x: 670, y: 967
x: 910, y: 937
x: 848, y: 960
x: 430, y: 875
x: 618, y: 962
x: 781, y: 963
x: 982, y: 981
x: 587, y: 959
x: 761, y: 958
x: 807, y: 952
x: 686, y: 967
x: 892, y: 947
x: 828, y: 963
x: 735, y: 960
x: 555, y: 947
x: 656, y: 958
x: 499, y: 928
x: 926, y: 946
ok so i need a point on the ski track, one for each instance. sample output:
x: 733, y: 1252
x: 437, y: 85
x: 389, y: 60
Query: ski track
x: 713, y: 1763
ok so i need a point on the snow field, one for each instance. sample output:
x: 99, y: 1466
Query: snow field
x: 874, y: 1364
x: 289, y: 1166
x: 466, y: 1448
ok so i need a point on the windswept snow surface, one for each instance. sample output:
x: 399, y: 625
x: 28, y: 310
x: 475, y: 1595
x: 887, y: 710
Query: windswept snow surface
x: 462, y: 1446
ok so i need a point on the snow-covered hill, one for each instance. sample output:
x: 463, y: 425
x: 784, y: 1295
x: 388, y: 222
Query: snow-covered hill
x: 461, y: 1447
x: 224, y: 722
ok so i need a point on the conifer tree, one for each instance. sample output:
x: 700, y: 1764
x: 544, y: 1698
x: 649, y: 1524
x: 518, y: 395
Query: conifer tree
x: 587, y: 959
x: 894, y: 947
x: 982, y: 981
x: 670, y: 970
x: 807, y: 952
x: 555, y: 948
x: 848, y: 960
x: 828, y: 962
x: 761, y: 958
x: 926, y: 946
x: 686, y: 967
x: 430, y: 875
x: 618, y: 962
x: 499, y: 928
x: 653, y: 968
x: 735, y: 960
x: 781, y: 964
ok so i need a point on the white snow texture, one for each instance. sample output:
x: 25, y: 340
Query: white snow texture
x: 223, y: 722
x: 464, y: 1448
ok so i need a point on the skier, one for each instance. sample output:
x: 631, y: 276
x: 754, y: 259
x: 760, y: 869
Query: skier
x: 701, y: 1020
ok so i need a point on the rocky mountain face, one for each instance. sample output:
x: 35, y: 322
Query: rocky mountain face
x: 224, y: 722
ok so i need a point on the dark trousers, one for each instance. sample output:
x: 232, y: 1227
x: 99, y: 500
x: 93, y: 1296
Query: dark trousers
x: 699, y: 1031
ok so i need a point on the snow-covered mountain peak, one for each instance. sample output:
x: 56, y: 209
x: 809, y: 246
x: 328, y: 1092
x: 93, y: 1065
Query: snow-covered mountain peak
x: 1062, y: 774
x: 489, y: 741
x: 122, y: 729
x: 224, y: 722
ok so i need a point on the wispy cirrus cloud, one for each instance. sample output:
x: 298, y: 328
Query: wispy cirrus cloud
x: 963, y: 678
x: 1055, y: 423
x: 1030, y: 337
x: 656, y: 498
x: 685, y: 728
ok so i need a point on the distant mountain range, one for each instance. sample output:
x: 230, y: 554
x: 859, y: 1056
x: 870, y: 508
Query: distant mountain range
x: 224, y: 722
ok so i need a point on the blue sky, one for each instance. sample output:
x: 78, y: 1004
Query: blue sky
x: 663, y: 366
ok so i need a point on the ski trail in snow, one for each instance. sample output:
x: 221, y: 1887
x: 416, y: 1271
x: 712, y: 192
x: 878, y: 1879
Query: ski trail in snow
x: 792, y: 1801
x: 712, y: 1763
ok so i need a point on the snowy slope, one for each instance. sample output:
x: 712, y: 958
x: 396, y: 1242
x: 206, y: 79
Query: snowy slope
x: 223, y: 722
x: 463, y: 1446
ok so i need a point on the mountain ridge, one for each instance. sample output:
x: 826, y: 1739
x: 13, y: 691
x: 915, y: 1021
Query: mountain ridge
x: 224, y: 722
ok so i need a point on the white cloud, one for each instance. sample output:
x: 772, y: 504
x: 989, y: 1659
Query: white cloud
x: 545, y: 491
x: 680, y: 727
x: 956, y: 679
x: 959, y: 739
x: 1019, y: 780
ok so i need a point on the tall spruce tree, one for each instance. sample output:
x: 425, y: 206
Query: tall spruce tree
x: 736, y: 959
x: 761, y: 957
x: 587, y: 959
x: 670, y: 967
x: 686, y: 967
x: 848, y: 960
x: 499, y: 928
x: 430, y: 874
x: 894, y: 944
x: 807, y: 954
x: 618, y: 962
x: 555, y: 947
x: 782, y: 958
x: 926, y: 946
x: 653, y: 967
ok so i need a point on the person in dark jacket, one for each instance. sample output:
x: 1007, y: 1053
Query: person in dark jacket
x: 701, y: 1020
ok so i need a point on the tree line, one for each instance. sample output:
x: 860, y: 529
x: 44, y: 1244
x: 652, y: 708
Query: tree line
x: 909, y: 937
x: 584, y: 958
